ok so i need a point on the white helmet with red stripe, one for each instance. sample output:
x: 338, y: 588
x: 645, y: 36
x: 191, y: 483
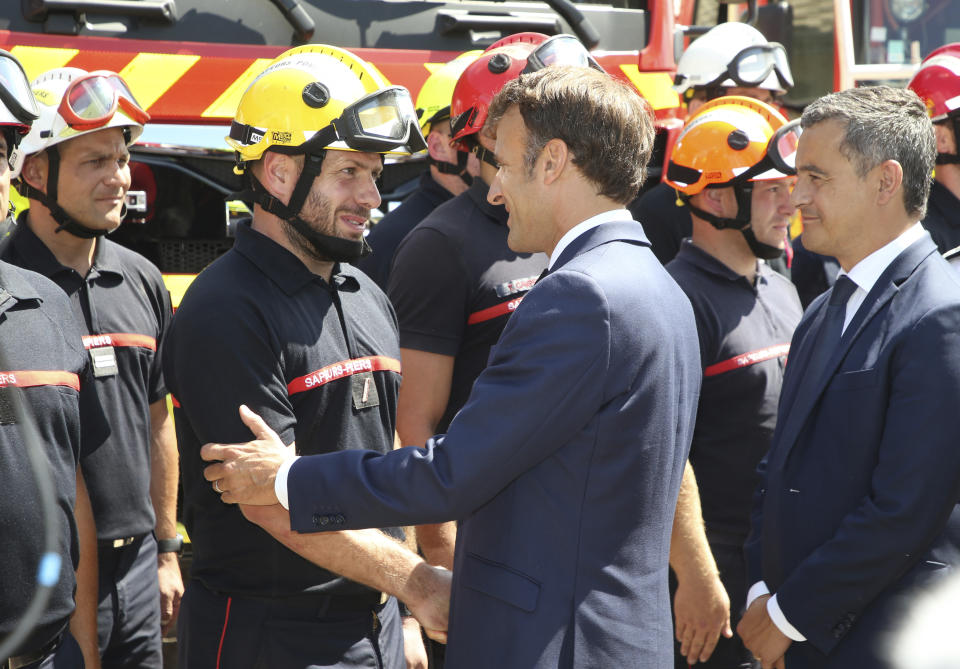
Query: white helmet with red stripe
x: 75, y: 102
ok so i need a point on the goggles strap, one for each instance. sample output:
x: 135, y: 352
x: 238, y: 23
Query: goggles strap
x: 486, y: 155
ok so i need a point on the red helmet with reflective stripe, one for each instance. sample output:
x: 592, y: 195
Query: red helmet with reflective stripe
x: 503, y: 61
x: 937, y: 82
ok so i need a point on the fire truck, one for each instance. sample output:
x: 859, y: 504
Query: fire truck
x: 883, y: 41
x: 189, y: 61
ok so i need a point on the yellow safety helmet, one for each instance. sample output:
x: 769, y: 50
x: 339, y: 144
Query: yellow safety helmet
x: 433, y: 101
x: 317, y: 97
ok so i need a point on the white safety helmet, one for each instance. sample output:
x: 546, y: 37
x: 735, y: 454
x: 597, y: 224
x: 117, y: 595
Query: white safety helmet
x: 733, y: 54
x: 75, y: 102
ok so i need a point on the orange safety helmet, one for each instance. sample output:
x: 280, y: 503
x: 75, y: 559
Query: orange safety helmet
x: 733, y: 141
x: 730, y: 140
x: 937, y: 83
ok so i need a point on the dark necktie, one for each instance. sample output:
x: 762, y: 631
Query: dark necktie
x: 832, y: 327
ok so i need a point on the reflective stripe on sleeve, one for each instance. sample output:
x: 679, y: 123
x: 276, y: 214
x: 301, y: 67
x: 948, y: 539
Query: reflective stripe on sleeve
x: 344, y: 368
x: 747, y: 359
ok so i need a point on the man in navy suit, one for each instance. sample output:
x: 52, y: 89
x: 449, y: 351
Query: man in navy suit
x: 564, y: 465
x: 858, y: 502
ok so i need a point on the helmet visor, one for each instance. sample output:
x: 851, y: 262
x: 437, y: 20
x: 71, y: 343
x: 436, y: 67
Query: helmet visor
x: 782, y: 148
x: 381, y: 122
x: 751, y: 66
x: 560, y: 50
x: 15, y: 93
x: 91, y: 101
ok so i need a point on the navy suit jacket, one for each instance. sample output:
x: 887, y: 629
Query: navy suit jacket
x: 563, y: 469
x: 858, y: 503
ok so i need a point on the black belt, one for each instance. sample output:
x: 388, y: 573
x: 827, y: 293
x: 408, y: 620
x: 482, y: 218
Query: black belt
x: 122, y: 542
x: 26, y: 659
x: 320, y: 603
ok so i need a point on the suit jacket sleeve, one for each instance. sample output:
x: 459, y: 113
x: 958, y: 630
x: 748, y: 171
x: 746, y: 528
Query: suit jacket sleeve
x: 543, y: 384
x: 915, y: 486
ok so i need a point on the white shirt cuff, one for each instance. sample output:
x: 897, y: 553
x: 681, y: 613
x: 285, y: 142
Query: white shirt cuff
x: 780, y: 620
x: 758, y: 589
x: 280, y: 483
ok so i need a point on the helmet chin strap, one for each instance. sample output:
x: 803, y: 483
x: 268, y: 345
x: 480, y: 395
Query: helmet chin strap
x: 460, y: 168
x: 744, y: 194
x: 49, y: 199
x: 332, y: 248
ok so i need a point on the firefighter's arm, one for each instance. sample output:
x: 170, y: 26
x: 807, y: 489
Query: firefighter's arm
x: 424, y: 395
x: 701, y: 605
x: 83, y: 622
x: 369, y: 557
x: 164, y: 472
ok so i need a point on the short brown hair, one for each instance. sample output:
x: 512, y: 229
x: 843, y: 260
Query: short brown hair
x: 606, y: 124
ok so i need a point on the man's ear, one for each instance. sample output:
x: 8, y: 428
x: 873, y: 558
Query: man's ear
x: 439, y: 148
x: 889, y: 181
x: 553, y: 159
x: 279, y: 173
x: 712, y: 200
x: 35, y: 170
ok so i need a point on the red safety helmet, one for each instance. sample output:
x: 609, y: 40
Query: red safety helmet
x: 501, y: 62
x: 937, y: 82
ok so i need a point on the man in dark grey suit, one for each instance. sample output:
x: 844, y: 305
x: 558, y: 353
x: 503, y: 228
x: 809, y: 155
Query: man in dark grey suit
x: 858, y: 502
x: 563, y: 466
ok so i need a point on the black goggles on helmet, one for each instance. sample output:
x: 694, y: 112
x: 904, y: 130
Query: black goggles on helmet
x: 753, y: 65
x: 560, y: 50
x: 781, y: 154
x: 15, y: 93
x: 380, y: 122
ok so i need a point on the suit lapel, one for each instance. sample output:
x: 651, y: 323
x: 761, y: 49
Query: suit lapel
x: 882, y: 292
x: 629, y: 231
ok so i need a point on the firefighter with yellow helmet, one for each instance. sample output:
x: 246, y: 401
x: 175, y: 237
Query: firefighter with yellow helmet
x: 450, y: 172
x: 284, y: 326
x: 732, y: 168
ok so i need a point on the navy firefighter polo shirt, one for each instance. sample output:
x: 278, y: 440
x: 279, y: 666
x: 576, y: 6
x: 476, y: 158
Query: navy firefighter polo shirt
x: 124, y: 310
x: 319, y: 361
x: 745, y: 331
x: 42, y: 355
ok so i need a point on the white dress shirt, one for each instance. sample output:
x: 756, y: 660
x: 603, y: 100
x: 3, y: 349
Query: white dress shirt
x: 864, y: 274
x: 612, y: 216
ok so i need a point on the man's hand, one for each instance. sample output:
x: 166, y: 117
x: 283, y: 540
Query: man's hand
x: 413, y: 650
x: 171, y: 589
x: 427, y: 595
x: 701, y: 609
x: 761, y: 635
x: 247, y: 472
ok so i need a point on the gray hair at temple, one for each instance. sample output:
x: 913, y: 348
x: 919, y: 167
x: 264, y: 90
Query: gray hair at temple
x: 605, y: 124
x: 883, y: 123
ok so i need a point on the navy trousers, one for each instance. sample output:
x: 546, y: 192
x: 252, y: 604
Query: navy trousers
x: 218, y: 631
x: 128, y: 614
